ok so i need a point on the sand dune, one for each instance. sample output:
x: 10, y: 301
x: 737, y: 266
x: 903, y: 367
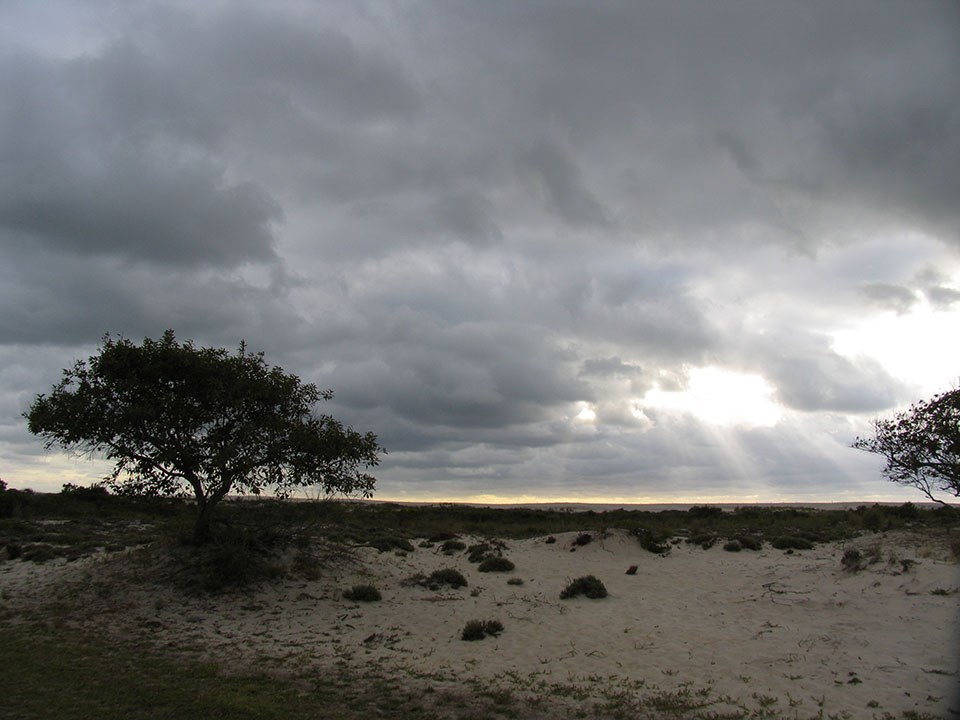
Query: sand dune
x: 795, y: 632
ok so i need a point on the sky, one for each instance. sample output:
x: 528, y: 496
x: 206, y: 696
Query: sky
x: 545, y: 250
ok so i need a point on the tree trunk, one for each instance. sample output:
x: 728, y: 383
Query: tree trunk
x: 201, y: 528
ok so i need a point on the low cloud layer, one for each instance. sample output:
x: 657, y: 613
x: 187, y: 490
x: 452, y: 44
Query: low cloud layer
x: 500, y: 232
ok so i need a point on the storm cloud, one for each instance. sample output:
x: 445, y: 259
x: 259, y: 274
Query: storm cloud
x: 507, y: 235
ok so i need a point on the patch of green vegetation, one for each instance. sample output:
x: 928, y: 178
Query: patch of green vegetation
x: 438, y: 578
x: 479, y: 629
x: 791, y: 542
x: 451, y: 546
x: 650, y: 541
x: 587, y: 585
x: 362, y: 593
x: 60, y: 674
x: 496, y: 563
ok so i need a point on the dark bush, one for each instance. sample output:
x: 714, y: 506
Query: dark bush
x: 733, y: 546
x: 479, y: 629
x: 874, y: 519
x: 492, y: 627
x: 583, y: 539
x: 496, y: 564
x: 93, y: 493
x: 749, y: 542
x: 650, y: 542
x: 362, y: 593
x: 478, y: 553
x: 442, y: 537
x: 473, y: 630
x: 705, y: 512
x: 385, y: 544
x: 587, y: 585
x: 550, y: 540
x: 447, y: 576
x: 852, y: 560
x: 451, y: 546
x: 791, y: 542
x: 706, y: 540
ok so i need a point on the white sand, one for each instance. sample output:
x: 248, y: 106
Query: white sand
x: 794, y: 630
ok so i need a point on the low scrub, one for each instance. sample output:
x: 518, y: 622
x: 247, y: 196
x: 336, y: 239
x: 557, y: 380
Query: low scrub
x: 451, y: 546
x: 791, y: 542
x: 479, y: 629
x: 438, y: 578
x: 385, y: 544
x: 587, y: 585
x: 650, y: 541
x: 496, y: 563
x: 362, y: 593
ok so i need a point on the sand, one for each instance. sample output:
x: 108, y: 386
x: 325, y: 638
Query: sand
x: 795, y: 633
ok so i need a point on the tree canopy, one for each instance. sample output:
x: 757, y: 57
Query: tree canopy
x: 921, y: 446
x: 177, y: 419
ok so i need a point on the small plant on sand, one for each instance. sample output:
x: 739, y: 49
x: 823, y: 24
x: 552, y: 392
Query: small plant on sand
x: 749, y: 542
x: 448, y: 576
x: 451, y: 546
x: 515, y: 581
x: 362, y: 593
x: 438, y: 578
x: 481, y: 551
x: 732, y: 546
x: 583, y: 539
x: 496, y: 563
x: 853, y: 560
x: 791, y: 542
x: 385, y: 544
x: 587, y: 585
x: 479, y: 629
x: 650, y: 542
x: 706, y: 540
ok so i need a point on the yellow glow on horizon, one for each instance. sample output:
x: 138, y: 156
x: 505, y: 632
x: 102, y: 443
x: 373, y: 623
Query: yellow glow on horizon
x: 721, y: 397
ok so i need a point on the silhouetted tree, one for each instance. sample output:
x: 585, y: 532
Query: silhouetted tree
x: 176, y: 419
x: 921, y: 446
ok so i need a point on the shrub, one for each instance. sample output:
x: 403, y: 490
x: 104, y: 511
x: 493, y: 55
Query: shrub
x: 479, y: 629
x: 706, y: 540
x: 362, y: 593
x: 550, y: 540
x: 438, y: 578
x: 852, y: 560
x: 587, y: 585
x: 493, y: 627
x: 705, y: 512
x: 749, y: 542
x: 791, y: 542
x: 496, y: 564
x: 473, y: 630
x: 442, y: 537
x: 583, y: 539
x: 478, y: 553
x: 384, y: 544
x: 451, y: 546
x: 515, y: 581
x: 649, y: 542
x: 733, y: 546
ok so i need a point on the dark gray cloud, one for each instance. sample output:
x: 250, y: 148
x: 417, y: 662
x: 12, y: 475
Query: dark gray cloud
x: 492, y: 228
